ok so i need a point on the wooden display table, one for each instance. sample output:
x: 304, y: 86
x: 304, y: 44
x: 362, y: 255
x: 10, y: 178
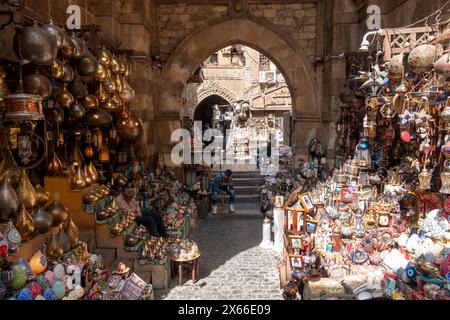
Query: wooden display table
x: 192, y: 263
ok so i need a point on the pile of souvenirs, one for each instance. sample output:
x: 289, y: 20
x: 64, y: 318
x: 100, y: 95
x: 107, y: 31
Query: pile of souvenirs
x: 183, y: 250
x: 379, y: 227
x: 45, y: 278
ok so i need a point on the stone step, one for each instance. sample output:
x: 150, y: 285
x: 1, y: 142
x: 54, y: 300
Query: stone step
x: 244, y: 198
x: 247, y: 189
x: 248, y: 182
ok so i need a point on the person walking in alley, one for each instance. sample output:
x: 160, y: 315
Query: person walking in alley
x: 222, y: 183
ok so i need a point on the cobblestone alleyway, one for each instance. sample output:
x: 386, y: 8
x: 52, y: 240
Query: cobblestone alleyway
x: 232, y: 265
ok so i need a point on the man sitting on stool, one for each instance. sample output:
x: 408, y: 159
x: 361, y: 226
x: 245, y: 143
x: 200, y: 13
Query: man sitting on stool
x: 222, y: 183
x: 151, y: 219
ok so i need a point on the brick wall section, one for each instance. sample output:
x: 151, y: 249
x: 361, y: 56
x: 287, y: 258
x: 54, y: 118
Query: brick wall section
x: 298, y: 21
x: 176, y: 21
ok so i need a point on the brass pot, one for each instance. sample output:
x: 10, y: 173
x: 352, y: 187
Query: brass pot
x: 54, y: 249
x: 78, y: 182
x: 104, y: 56
x: 25, y: 224
x: 98, y: 118
x: 127, y: 93
x: 26, y: 193
x: 90, y: 198
x: 91, y: 102
x: 118, y: 80
x: 66, y: 99
x: 55, y: 166
x: 43, y: 196
x: 101, y: 94
x: 110, y: 86
x: 38, y: 84
x: 68, y: 74
x: 43, y: 221
x: 56, y: 33
x: 9, y: 202
x: 38, y: 46
x: 114, y: 65
x: 59, y: 213
x: 101, y: 73
x: 73, y: 234
x: 88, y: 64
x: 92, y: 171
x: 57, y: 69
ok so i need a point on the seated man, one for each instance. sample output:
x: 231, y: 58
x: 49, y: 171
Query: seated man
x: 222, y: 183
x: 151, y: 219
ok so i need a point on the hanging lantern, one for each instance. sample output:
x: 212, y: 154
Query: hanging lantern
x: 425, y: 179
x: 104, y: 154
x: 113, y: 133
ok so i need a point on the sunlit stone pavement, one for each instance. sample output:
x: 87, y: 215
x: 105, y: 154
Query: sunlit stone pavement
x: 232, y: 265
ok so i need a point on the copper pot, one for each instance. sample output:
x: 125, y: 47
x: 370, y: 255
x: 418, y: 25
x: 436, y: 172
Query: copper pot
x: 88, y: 64
x: 59, y: 213
x: 9, y: 202
x: 56, y: 33
x: 43, y: 220
x: 38, y: 84
x: 98, y: 118
x: 123, y: 114
x: 68, y: 74
x: 38, y: 45
x: 23, y: 107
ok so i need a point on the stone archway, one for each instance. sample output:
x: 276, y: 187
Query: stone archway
x: 259, y: 34
x: 204, y: 91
